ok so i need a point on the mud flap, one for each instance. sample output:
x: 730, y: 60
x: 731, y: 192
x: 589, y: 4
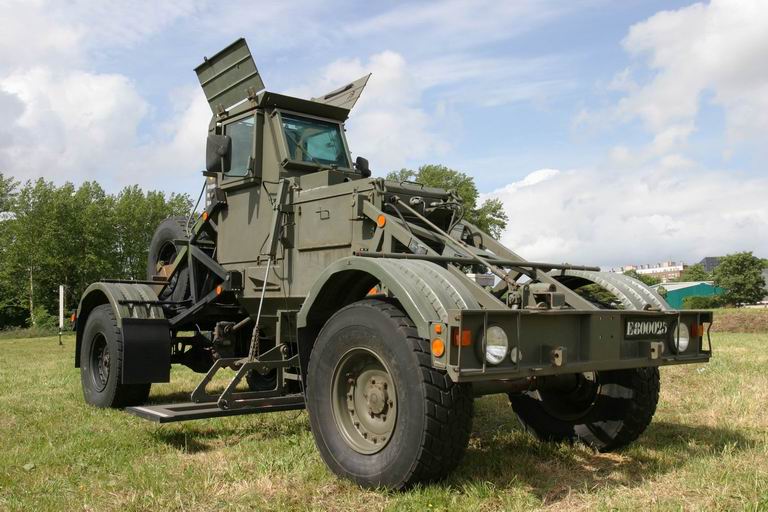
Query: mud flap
x: 146, y: 350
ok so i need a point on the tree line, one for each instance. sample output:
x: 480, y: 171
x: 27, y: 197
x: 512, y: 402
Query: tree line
x: 52, y: 235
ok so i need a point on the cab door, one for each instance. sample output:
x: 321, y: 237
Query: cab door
x: 240, y: 224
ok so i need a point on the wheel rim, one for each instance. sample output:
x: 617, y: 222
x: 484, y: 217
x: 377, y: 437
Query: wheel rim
x: 572, y: 404
x: 100, y: 362
x: 364, y: 401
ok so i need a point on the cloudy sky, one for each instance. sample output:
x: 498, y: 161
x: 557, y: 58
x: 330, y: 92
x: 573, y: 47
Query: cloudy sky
x: 614, y: 132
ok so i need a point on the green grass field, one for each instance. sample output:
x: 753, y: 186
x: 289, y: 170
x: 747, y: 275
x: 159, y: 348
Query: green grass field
x: 707, y: 448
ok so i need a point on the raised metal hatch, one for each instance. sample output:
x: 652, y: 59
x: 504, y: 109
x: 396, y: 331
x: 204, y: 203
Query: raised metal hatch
x: 229, y: 77
x: 345, y: 96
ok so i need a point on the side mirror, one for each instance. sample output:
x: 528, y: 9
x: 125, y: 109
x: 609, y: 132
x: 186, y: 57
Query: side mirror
x: 217, y: 151
x: 361, y: 164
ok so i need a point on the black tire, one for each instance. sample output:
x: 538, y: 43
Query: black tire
x: 162, y: 251
x: 101, y: 383
x: 614, y: 413
x: 433, y: 416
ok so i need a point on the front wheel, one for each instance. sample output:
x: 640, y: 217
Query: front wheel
x: 605, y: 410
x: 380, y: 414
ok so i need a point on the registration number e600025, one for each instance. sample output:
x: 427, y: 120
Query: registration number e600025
x: 646, y: 329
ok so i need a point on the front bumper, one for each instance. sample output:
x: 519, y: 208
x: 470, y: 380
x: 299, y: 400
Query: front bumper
x: 552, y: 342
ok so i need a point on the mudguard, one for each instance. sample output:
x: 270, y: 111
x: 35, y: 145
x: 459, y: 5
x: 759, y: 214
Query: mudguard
x: 144, y: 329
x: 632, y: 293
x: 425, y: 290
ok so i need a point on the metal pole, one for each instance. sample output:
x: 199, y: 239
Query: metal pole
x: 61, y: 311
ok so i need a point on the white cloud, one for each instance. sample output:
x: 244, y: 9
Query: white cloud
x: 388, y: 125
x: 458, y: 23
x: 393, y: 126
x: 64, y: 121
x: 115, y: 23
x: 702, y: 53
x: 493, y: 81
x: 654, y: 202
x: 72, y: 121
x: 595, y: 217
x: 62, y: 34
x: 73, y: 125
x: 30, y: 34
x: 174, y: 156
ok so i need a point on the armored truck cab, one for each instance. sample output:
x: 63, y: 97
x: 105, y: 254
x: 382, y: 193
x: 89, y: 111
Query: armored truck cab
x: 317, y: 285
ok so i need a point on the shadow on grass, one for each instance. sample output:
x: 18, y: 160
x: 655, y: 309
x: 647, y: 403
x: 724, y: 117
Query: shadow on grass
x: 552, y: 471
x: 182, y: 441
x: 202, y: 435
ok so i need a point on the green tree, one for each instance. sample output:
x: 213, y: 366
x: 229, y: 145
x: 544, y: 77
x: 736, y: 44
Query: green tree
x: 74, y: 236
x: 649, y: 280
x: 46, y: 243
x: 137, y: 214
x: 741, y: 275
x: 12, y: 312
x: 7, y: 193
x: 489, y: 216
x: 694, y: 273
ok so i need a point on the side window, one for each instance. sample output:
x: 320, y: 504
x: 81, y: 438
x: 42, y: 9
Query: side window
x: 241, y: 133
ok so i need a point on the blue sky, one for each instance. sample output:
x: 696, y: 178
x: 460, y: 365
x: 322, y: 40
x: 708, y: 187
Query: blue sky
x: 614, y: 132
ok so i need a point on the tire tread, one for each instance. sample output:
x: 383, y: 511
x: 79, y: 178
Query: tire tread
x: 449, y: 406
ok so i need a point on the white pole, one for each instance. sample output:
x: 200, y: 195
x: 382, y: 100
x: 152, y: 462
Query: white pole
x: 61, y: 310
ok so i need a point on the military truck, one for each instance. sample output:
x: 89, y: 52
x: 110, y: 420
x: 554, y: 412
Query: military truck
x: 311, y: 284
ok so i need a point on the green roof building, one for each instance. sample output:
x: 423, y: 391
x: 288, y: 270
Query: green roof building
x: 676, y: 292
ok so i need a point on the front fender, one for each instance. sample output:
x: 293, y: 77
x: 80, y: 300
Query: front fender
x: 425, y: 290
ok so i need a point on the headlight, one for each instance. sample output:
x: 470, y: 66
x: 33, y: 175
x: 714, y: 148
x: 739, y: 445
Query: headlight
x: 496, y: 345
x: 682, y: 337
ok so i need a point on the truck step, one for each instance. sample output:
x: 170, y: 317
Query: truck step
x: 168, y: 413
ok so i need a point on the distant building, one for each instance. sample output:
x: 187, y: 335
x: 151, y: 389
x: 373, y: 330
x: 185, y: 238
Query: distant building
x: 676, y: 292
x: 709, y: 263
x: 665, y: 271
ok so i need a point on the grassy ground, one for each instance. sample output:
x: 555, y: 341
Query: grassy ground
x: 707, y: 448
x: 17, y: 333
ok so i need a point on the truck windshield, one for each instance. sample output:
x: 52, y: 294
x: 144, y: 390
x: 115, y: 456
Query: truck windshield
x: 312, y: 140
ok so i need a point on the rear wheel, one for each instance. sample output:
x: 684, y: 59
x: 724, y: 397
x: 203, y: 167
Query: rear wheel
x: 101, y: 363
x: 606, y: 410
x: 380, y: 414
